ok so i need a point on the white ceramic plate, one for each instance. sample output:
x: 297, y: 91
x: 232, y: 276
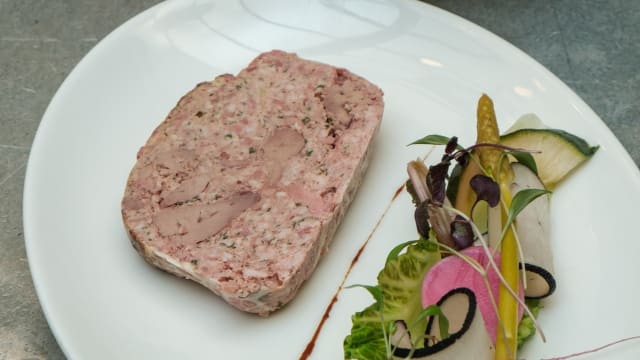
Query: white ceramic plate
x: 104, y: 302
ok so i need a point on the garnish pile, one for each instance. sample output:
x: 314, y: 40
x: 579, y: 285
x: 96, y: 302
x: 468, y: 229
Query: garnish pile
x: 471, y: 285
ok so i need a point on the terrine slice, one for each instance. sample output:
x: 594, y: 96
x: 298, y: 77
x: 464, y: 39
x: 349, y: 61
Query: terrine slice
x: 242, y: 186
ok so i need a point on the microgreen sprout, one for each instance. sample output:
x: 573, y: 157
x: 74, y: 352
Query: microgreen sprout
x: 461, y: 232
x: 421, y: 216
x: 519, y: 202
x: 437, y: 219
x: 435, y: 179
x: 486, y: 189
x: 393, y: 254
x: 443, y: 324
x: 483, y: 174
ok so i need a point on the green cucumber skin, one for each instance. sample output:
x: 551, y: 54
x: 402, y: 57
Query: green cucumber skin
x: 579, y: 143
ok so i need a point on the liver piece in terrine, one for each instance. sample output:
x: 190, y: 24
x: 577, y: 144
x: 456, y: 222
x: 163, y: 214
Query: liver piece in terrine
x: 242, y: 186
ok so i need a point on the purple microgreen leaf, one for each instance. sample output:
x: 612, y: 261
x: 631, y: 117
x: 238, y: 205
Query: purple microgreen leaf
x: 440, y: 220
x: 421, y: 216
x: 436, y: 181
x: 461, y: 232
x: 451, y: 145
x: 486, y: 189
x: 462, y: 157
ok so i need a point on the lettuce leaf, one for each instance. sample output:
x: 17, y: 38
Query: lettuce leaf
x: 526, y: 329
x: 401, y: 285
x: 366, y: 340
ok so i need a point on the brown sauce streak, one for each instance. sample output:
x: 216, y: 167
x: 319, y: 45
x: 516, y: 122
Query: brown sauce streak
x: 398, y: 192
x: 312, y: 343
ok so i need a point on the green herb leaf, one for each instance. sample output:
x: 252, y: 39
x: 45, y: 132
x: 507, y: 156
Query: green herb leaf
x: 393, y: 254
x: 521, y: 200
x: 373, y: 290
x: 434, y: 140
x: 434, y: 310
x: 527, y: 160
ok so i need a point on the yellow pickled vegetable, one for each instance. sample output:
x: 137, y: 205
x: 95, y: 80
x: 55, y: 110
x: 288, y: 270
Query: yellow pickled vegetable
x: 490, y: 159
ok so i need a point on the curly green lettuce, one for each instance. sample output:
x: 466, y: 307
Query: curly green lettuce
x: 400, y: 283
x: 526, y: 328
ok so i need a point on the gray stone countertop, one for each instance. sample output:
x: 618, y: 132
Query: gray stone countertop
x: 593, y: 46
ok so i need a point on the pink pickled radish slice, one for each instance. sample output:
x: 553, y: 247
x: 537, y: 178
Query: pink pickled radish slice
x: 453, y: 272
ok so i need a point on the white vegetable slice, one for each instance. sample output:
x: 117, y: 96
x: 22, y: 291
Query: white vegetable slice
x: 468, y: 338
x: 532, y: 227
x: 526, y: 121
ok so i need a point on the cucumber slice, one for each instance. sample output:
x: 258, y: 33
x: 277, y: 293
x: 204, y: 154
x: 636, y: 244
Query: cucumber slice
x: 559, y: 151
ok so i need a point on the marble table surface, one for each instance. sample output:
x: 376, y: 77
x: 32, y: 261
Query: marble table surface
x: 593, y: 46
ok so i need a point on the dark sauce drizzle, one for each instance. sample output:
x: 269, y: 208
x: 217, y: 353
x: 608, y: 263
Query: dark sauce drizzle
x: 312, y: 343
